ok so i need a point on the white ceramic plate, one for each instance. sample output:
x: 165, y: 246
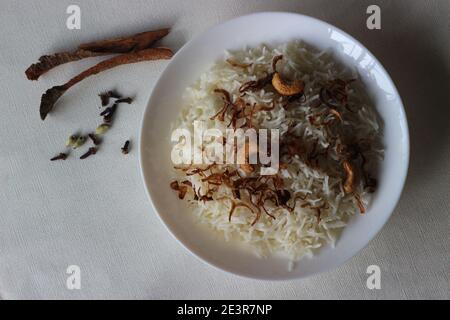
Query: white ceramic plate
x: 165, y: 102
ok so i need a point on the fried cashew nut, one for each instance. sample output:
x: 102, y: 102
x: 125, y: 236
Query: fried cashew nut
x: 350, y: 177
x: 287, y: 89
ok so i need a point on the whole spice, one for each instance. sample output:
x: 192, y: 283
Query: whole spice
x: 52, y: 95
x: 125, y: 100
x: 105, y: 96
x: 91, y: 151
x: 61, y: 156
x: 108, y: 113
x: 48, y: 62
x: 132, y: 43
x: 101, y: 129
x: 137, y: 42
x: 126, y: 147
x: 95, y: 140
x: 79, y: 142
x: 71, y: 141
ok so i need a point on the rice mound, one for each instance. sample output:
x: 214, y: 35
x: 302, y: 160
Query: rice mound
x: 298, y: 233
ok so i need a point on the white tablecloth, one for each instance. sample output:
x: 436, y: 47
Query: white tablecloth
x: 95, y: 213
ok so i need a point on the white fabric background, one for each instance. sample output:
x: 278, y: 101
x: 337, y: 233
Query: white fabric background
x: 95, y: 213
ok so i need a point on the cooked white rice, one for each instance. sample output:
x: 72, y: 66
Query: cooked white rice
x: 299, y: 233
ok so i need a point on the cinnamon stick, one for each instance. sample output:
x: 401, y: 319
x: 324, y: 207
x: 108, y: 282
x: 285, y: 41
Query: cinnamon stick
x: 135, y: 42
x: 48, y: 62
x: 132, y: 43
x: 50, y: 97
